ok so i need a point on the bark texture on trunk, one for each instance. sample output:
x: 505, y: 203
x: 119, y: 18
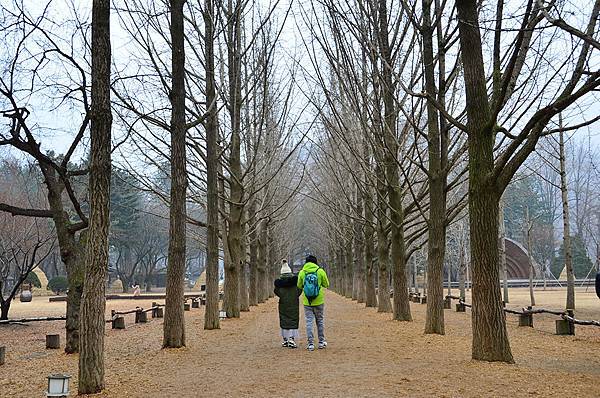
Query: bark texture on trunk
x: 436, y: 243
x: 174, y: 324
x: 211, y: 315
x: 383, y: 291
x: 91, y: 353
x: 502, y: 251
x: 4, y: 308
x: 253, y: 290
x: 401, y: 307
x: 71, y: 254
x: 348, y: 268
x: 231, y: 301
x: 490, y: 337
x: 568, y: 254
x: 369, y: 270
x: 262, y: 287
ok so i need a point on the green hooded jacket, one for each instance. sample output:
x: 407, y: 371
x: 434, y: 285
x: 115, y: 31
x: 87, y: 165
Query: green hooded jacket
x: 323, y: 283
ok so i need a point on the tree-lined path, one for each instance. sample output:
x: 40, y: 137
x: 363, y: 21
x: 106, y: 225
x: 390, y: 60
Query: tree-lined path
x: 368, y: 355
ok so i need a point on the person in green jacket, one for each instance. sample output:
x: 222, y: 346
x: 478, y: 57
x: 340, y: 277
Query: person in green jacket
x: 288, y: 292
x: 314, y: 307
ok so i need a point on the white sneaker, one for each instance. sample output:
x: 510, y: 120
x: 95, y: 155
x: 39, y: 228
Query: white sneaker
x: 322, y: 344
x: 310, y: 347
x: 291, y: 343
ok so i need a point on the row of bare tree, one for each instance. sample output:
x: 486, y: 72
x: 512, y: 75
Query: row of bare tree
x: 195, y: 98
x: 427, y: 111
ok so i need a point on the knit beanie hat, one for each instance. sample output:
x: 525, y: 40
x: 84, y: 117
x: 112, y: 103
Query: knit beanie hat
x: 311, y: 259
x: 285, y: 268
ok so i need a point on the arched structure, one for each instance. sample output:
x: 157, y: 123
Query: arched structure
x: 517, y: 262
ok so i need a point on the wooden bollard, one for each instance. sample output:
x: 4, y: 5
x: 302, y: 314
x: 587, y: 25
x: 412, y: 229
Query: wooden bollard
x: 424, y: 300
x: 159, y: 312
x: 186, y: 307
x: 203, y: 301
x: 565, y: 328
x: 2, y: 355
x: 460, y: 307
x: 447, y: 303
x: 118, y: 322
x: 137, y: 315
x: 143, y: 317
x: 52, y: 341
x: 195, y: 304
x: 526, y: 320
x: 154, y: 306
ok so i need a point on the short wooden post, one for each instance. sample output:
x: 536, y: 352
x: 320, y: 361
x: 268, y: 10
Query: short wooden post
x: 118, y: 322
x: 526, y: 320
x: 460, y: 307
x: 424, y: 300
x: 143, y: 316
x: 195, y: 304
x: 565, y: 328
x: 52, y: 341
x: 203, y: 301
x: 447, y: 303
x: 154, y: 306
x: 186, y: 307
x: 159, y: 312
x: 2, y: 355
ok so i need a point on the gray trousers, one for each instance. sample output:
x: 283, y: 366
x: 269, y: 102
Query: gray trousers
x: 312, y: 313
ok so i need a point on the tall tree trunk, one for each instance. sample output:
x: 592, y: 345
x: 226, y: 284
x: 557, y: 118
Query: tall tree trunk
x: 262, y: 285
x: 383, y: 291
x: 91, y: 354
x: 436, y: 243
x: 244, y: 298
x: 4, y: 308
x: 529, y: 226
x: 401, y: 307
x: 502, y: 250
x: 71, y: 254
x: 568, y: 254
x: 348, y: 277
x: 211, y: 315
x: 415, y: 273
x: 174, y: 324
x: 358, y: 291
x: 462, y: 270
x: 253, y: 238
x: 370, y: 295
x: 75, y: 275
x: 273, y: 261
x: 490, y: 337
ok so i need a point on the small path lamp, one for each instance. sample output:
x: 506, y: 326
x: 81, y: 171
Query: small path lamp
x: 58, y: 385
x: 222, y: 314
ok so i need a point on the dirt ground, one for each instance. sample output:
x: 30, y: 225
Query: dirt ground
x: 368, y: 355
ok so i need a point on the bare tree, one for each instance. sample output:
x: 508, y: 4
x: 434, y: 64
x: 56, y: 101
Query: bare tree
x: 91, y: 356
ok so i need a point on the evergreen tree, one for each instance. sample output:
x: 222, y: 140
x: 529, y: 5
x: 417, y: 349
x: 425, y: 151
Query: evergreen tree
x: 581, y: 262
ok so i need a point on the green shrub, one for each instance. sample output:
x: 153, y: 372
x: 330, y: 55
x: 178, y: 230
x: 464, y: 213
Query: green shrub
x: 33, y: 279
x: 58, y: 284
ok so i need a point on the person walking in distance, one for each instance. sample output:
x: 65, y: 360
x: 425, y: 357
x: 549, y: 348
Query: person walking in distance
x: 288, y: 292
x: 313, y: 281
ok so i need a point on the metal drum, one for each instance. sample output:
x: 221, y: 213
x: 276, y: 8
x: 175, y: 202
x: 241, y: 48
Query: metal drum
x: 26, y: 296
